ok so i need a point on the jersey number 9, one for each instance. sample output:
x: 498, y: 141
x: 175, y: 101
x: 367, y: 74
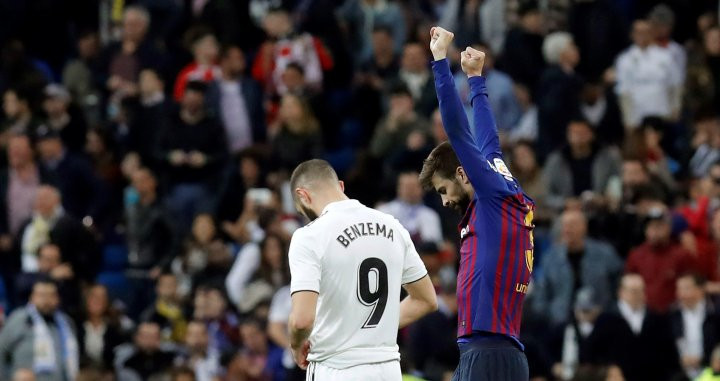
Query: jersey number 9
x: 373, y: 271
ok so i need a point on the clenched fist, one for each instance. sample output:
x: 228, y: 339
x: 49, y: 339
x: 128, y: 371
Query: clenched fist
x: 472, y: 61
x: 440, y: 40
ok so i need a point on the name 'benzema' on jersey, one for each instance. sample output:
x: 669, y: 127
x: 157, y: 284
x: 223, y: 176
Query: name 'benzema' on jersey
x: 362, y: 229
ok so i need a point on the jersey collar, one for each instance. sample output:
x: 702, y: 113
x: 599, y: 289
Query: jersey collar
x: 340, y: 205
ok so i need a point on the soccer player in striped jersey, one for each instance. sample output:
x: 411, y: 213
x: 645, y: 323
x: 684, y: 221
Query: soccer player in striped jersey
x: 496, y: 254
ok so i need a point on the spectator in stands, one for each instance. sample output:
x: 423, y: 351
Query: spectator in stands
x: 624, y: 335
x: 40, y: 337
x: 237, y: 100
x: 147, y: 357
x: 50, y: 224
x: 287, y: 46
x: 383, y: 64
x: 193, y: 150
x: 71, y: 126
x: 659, y: 255
x: 247, y: 172
x: 705, y: 142
x: 422, y: 223
x: 558, y: 91
x: 149, y: 119
x: 199, y: 356
x: 524, y: 166
x: 79, y: 76
x: 646, y: 142
x: 297, y: 136
x: 695, y: 324
x: 23, y: 374
x: 365, y: 16
x: 599, y: 106
x: 167, y: 311
x: 204, y: 67
x: 662, y: 22
x: 100, y: 330
x: 522, y: 55
x: 582, y: 168
x: 19, y: 115
x: 83, y: 193
x: 394, y: 132
x: 211, y: 307
x: 415, y: 74
x: 527, y: 126
x: 702, y: 85
x: 577, y: 262
x: 265, y: 358
x: 647, y: 83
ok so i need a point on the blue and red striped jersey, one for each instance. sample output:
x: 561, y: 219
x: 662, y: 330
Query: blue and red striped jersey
x: 496, y: 254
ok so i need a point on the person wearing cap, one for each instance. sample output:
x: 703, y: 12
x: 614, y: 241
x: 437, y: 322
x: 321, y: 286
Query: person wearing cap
x: 576, y: 263
x: 659, y: 260
x: 70, y: 126
x: 695, y: 324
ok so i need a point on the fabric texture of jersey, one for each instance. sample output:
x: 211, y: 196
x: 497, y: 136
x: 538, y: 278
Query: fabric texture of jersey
x: 385, y: 371
x: 496, y: 255
x: 356, y: 259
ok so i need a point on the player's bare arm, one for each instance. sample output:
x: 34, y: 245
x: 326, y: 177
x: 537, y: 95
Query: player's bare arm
x: 472, y: 61
x: 421, y: 300
x: 302, y: 319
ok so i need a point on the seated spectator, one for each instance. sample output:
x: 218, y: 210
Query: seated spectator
x: 527, y: 126
x: 624, y: 334
x: 19, y: 116
x: 198, y: 354
x: 702, y: 85
x: 204, y: 67
x: 167, y: 310
x: 705, y: 142
x: 695, y: 324
x: 422, y: 223
x: 393, y: 132
x: 100, y: 330
x: 297, y: 136
x: 83, y: 193
x: 192, y: 150
x: 646, y: 143
x: 69, y: 124
x: 50, y: 224
x: 578, y: 262
x: 79, y: 74
x: 265, y: 359
x: 524, y: 166
x: 286, y: 46
x: 146, y: 357
x: 237, y: 101
x: 599, y: 106
x: 659, y: 255
x: 211, y: 306
x: 40, y: 337
x: 582, y: 168
x: 100, y: 148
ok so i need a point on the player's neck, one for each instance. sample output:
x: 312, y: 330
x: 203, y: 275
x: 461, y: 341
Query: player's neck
x: 327, y: 198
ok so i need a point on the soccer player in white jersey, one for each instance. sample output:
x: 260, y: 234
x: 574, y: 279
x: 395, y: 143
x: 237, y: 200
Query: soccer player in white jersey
x: 347, y: 267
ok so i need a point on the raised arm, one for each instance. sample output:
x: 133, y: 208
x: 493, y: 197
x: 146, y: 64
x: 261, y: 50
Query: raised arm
x: 486, y: 135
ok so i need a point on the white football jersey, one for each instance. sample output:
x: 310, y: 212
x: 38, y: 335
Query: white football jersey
x: 356, y: 259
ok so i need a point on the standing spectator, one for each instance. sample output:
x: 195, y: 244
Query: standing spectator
x: 192, y: 149
x: 265, y: 359
x: 581, y: 167
x: 524, y: 166
x: 19, y: 116
x: 527, y: 126
x: 247, y: 172
x: 522, y: 56
x: 662, y: 22
x: 415, y: 74
x: 204, y: 66
x: 40, y: 337
x: 199, y: 355
x: 71, y: 126
x: 558, y: 90
x: 298, y: 133
x: 149, y: 118
x: 703, y: 73
x: 659, y: 255
x: 167, y: 311
x: 646, y: 143
x: 147, y: 357
x: 472, y: 20
x: 577, y: 262
x: 695, y: 324
x: 634, y: 337
x: 100, y: 331
x: 79, y: 76
x: 362, y: 17
x: 599, y: 105
x: 286, y: 46
x: 402, y: 121
x: 237, y: 100
x: 647, y: 82
x: 422, y: 223
x: 211, y: 306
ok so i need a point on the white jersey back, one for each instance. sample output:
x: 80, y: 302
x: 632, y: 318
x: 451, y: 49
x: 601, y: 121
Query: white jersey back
x: 356, y: 259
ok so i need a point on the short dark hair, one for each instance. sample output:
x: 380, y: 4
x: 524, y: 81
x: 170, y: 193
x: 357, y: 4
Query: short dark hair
x: 697, y: 279
x: 399, y: 88
x: 443, y: 161
x: 198, y: 86
x: 311, y: 171
x: 175, y: 373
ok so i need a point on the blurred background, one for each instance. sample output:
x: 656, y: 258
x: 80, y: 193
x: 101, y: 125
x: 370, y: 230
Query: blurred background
x: 146, y: 148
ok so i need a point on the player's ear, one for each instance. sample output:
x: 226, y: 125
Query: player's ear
x: 342, y: 185
x: 302, y: 195
x: 461, y: 176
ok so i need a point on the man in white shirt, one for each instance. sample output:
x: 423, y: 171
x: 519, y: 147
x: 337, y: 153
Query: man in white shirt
x: 648, y: 83
x: 422, y: 222
x: 347, y: 267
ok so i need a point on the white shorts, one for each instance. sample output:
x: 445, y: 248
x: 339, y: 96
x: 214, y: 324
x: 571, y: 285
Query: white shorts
x: 384, y: 371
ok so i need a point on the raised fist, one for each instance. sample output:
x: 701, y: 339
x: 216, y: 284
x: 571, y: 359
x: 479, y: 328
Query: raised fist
x: 472, y: 61
x: 440, y: 40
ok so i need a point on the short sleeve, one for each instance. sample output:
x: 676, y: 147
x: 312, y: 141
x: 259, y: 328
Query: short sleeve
x: 413, y: 267
x: 304, y: 264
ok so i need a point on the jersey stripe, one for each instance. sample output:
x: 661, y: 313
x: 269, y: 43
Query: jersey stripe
x: 517, y: 271
x: 512, y: 255
x: 517, y: 310
x: 498, y: 266
x: 470, y: 275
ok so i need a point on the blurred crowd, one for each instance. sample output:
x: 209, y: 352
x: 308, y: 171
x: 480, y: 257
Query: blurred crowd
x: 145, y: 211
